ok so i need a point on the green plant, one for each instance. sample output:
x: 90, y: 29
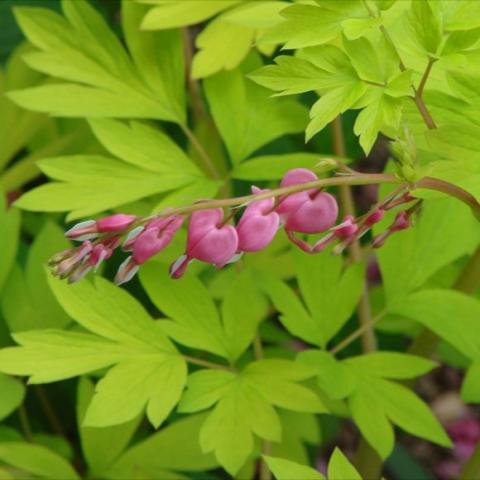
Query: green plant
x: 159, y: 129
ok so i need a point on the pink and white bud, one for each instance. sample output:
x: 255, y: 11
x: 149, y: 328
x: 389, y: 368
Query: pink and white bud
x: 209, y: 240
x: 402, y: 221
x: 91, y: 228
x: 347, y: 228
x: 258, y: 225
x: 126, y: 271
x: 103, y: 251
x: 156, y: 236
x: 68, y: 264
x: 375, y: 217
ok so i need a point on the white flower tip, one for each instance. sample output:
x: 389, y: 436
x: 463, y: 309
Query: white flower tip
x: 126, y: 271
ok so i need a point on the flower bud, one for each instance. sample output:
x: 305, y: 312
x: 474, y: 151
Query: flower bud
x: 91, y: 228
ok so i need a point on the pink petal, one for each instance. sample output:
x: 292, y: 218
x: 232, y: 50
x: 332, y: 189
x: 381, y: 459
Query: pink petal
x: 314, y: 215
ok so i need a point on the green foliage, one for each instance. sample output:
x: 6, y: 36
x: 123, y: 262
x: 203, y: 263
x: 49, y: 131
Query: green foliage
x: 142, y: 105
x: 338, y: 468
x: 365, y: 381
x: 329, y: 294
x: 244, y: 406
x: 144, y: 359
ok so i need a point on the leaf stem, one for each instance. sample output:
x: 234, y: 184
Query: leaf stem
x: 264, y: 471
x: 357, y: 333
x: 353, y: 179
x: 360, y: 179
x: 208, y: 162
x: 417, y: 97
x: 206, y: 363
x: 48, y: 410
x: 346, y: 199
x: 423, y: 81
x: 25, y: 423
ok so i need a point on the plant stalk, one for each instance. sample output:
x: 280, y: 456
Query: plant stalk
x: 369, y: 343
x: 264, y: 471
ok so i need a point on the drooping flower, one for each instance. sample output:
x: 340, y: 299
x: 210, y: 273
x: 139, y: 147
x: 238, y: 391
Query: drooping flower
x: 209, y: 240
x: 309, y: 211
x: 258, y: 225
x: 90, y: 229
x: 156, y: 236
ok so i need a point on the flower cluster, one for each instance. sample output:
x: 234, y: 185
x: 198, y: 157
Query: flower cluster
x: 212, y: 237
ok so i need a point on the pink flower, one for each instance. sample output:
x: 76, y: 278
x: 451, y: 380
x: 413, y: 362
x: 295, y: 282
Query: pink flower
x: 71, y: 258
x: 258, y: 225
x: 402, y: 221
x: 375, y: 217
x: 156, y: 236
x: 209, y: 240
x: 347, y: 231
x: 310, y: 211
x: 91, y: 228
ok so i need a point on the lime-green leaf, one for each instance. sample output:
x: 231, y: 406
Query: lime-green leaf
x: 245, y: 115
x: 13, y: 392
x: 222, y: 46
x: 195, y: 319
x: 364, y: 405
x: 110, y: 312
x: 277, y: 386
x: 104, y: 83
x: 329, y: 293
x: 426, y: 25
x: 81, y: 187
x: 101, y: 446
x: 471, y: 384
x: 158, y: 56
x: 426, y: 251
x: 293, y: 314
x: 410, y: 413
x: 10, y: 221
x: 305, y: 25
x: 242, y: 313
x: 227, y: 431
x: 340, y: 468
x: 332, y: 104
x: 288, y: 470
x: 204, y: 389
x: 156, y: 385
x: 142, y: 146
x: 290, y: 75
x: 456, y: 142
x: 36, y: 460
x: 175, y: 447
x: 180, y: 14
x: 390, y: 364
x: 333, y: 377
x: 452, y: 315
x: 274, y: 167
x: 28, y: 302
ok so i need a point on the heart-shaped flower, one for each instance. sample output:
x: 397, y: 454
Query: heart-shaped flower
x: 209, y: 240
x: 156, y: 236
x: 258, y: 225
x: 310, y: 211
